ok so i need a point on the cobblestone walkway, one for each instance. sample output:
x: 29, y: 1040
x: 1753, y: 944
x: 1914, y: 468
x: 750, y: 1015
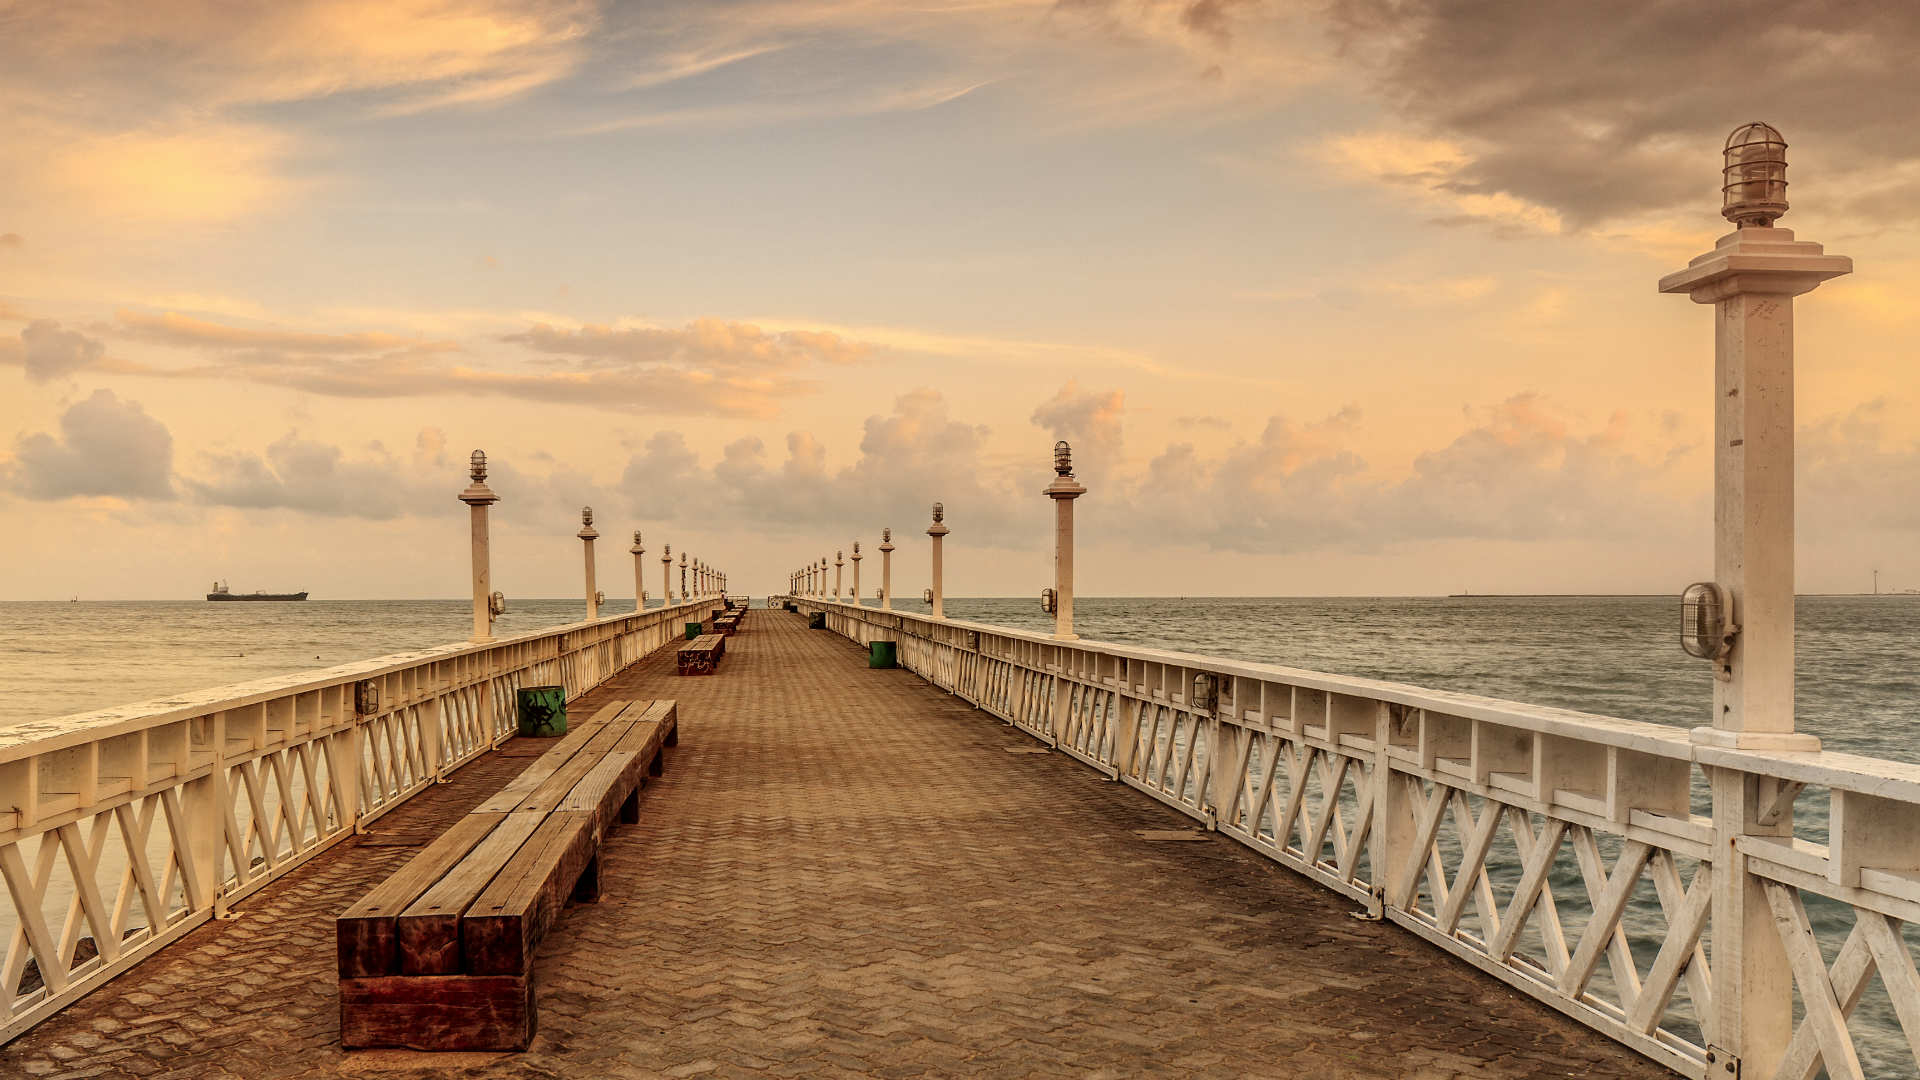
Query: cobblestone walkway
x: 846, y: 873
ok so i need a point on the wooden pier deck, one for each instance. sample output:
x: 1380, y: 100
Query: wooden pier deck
x: 845, y: 872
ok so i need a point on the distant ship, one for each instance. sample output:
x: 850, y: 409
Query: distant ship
x: 221, y: 592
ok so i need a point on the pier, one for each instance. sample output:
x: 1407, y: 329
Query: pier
x: 848, y: 872
x: 895, y: 844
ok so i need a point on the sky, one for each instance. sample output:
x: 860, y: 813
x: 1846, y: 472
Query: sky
x: 1341, y: 297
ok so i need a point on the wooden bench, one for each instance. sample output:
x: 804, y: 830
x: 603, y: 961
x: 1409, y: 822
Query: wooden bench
x: 701, y: 655
x: 440, y: 955
x: 728, y: 624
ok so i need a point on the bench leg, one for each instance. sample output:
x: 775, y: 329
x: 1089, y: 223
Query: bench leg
x: 587, y: 889
x: 630, y: 810
x: 673, y: 735
x: 658, y: 765
x: 438, y: 1012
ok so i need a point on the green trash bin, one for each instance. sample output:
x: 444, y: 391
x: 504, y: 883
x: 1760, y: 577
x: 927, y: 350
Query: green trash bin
x: 693, y: 630
x: 881, y: 654
x: 543, y: 711
x: 817, y: 621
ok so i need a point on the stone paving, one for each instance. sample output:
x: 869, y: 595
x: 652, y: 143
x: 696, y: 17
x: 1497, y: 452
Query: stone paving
x: 845, y: 873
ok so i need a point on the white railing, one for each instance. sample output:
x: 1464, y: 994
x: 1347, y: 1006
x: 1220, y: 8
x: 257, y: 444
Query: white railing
x: 122, y: 829
x: 1572, y: 856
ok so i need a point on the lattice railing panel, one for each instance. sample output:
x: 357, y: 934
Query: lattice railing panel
x: 122, y: 830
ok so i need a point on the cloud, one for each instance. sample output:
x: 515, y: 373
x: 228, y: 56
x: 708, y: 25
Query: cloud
x: 705, y: 344
x: 171, y: 328
x: 50, y: 352
x: 301, y: 474
x: 203, y: 173
x: 709, y: 367
x: 1432, y: 171
x: 106, y: 447
x: 11, y: 240
x: 1521, y: 471
x: 1089, y: 420
x: 907, y: 459
x: 1582, y: 135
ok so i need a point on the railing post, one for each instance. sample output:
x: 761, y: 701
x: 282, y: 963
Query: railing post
x: 886, y: 569
x: 1063, y: 491
x: 478, y: 497
x: 938, y: 530
x: 1751, y: 277
x: 587, y: 536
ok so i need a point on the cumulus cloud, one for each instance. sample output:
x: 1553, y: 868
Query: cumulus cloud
x: 1521, y: 471
x: 296, y: 473
x: 1586, y: 137
x: 106, y: 446
x: 50, y: 352
x: 11, y: 240
x: 1089, y: 420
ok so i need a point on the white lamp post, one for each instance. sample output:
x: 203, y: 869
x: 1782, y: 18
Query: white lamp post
x: 938, y: 530
x: 1743, y: 619
x: 478, y: 496
x: 856, y: 573
x: 587, y: 536
x: 886, y: 569
x: 666, y: 575
x: 839, y: 561
x: 1063, y: 491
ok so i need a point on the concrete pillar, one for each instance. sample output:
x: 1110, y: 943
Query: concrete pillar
x: 839, y: 561
x: 886, y: 569
x: 856, y: 573
x: 684, y: 594
x: 1063, y: 491
x: 666, y: 575
x: 1751, y: 277
x: 639, y: 574
x: 587, y: 536
x: 938, y: 530
x: 478, y: 497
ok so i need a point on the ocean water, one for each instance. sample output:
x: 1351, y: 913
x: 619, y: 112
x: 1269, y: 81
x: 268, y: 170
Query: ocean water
x: 1858, y: 672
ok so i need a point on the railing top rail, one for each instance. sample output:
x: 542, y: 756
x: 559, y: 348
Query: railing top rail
x: 1638, y: 735
x: 41, y: 736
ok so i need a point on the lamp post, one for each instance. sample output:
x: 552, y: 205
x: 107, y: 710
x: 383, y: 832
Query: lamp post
x: 886, y: 569
x: 587, y: 536
x: 1751, y: 277
x: 666, y: 575
x: 478, y: 496
x: 938, y: 530
x: 684, y: 594
x: 856, y: 573
x: 639, y: 573
x: 839, y: 561
x: 1063, y: 491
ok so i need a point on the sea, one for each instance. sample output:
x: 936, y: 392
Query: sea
x: 1858, y: 666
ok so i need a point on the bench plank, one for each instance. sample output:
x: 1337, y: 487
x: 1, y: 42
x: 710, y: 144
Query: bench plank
x: 554, y: 788
x: 443, y: 1012
x: 500, y: 932
x: 562, y: 751
x: 365, y: 932
x: 429, y: 929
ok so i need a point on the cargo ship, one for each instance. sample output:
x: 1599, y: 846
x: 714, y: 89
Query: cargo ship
x: 221, y: 592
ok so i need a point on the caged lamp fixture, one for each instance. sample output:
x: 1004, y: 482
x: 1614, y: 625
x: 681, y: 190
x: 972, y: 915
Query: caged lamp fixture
x: 1754, y: 192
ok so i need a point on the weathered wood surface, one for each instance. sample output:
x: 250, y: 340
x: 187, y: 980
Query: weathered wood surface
x: 419, y: 950
x: 365, y: 932
x: 702, y: 655
x: 504, y: 925
x: 441, y: 1012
